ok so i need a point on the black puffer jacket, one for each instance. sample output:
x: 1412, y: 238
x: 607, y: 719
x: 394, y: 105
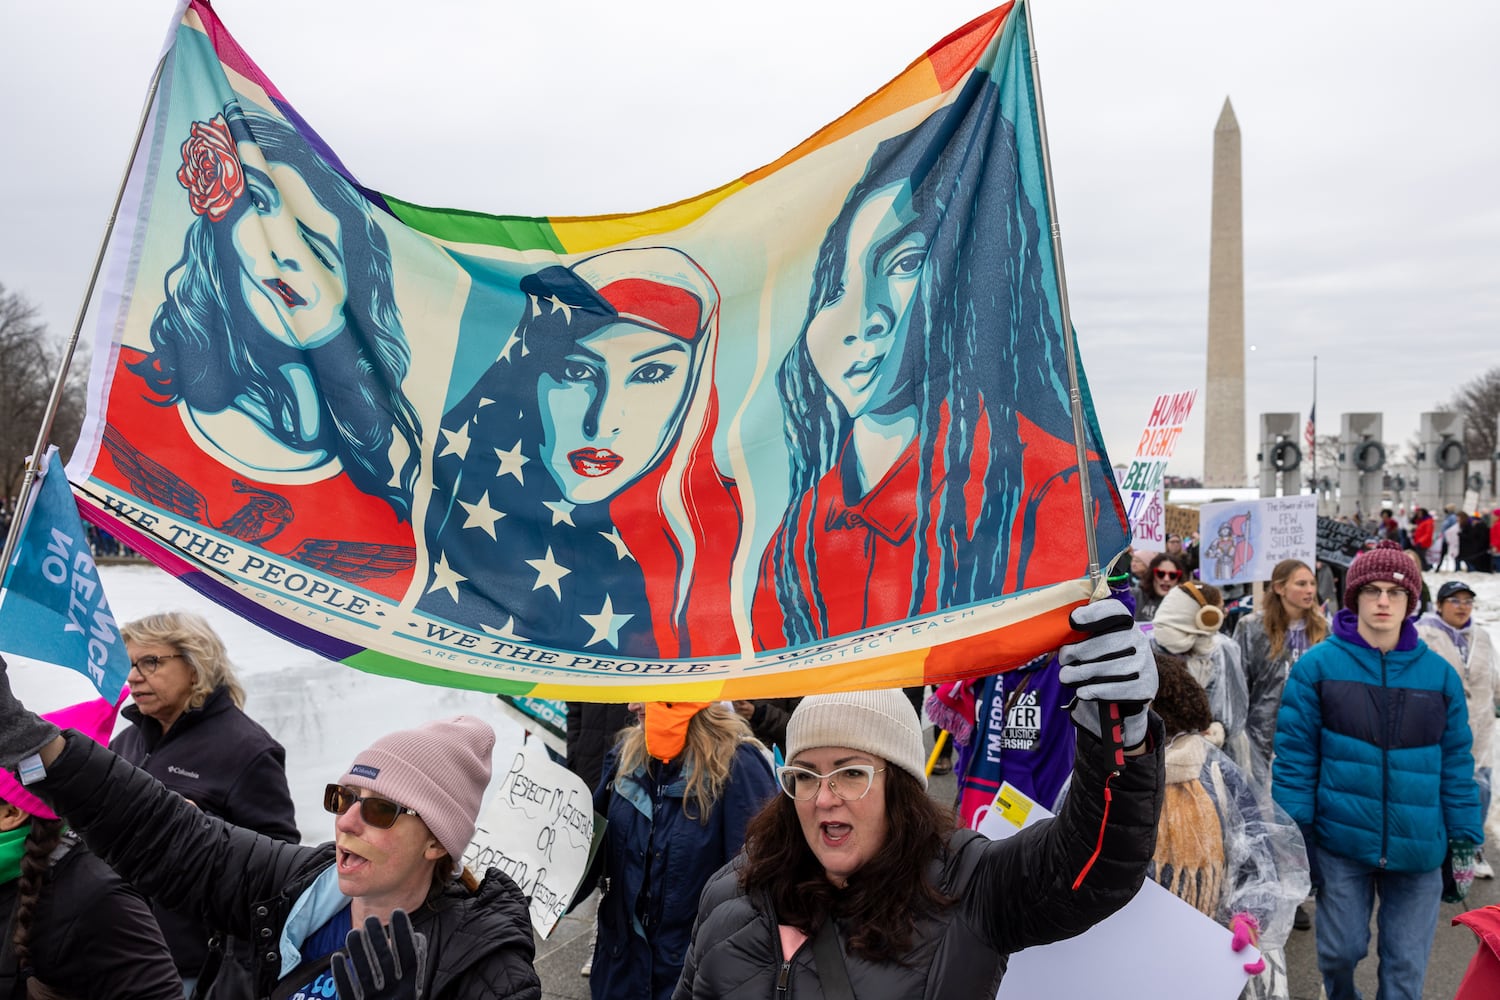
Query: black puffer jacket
x: 223, y: 761
x: 242, y: 883
x: 92, y: 936
x: 1012, y: 894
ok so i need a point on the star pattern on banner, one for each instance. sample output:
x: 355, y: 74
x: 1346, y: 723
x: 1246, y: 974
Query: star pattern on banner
x: 446, y: 578
x: 506, y: 631
x: 562, y: 512
x: 512, y: 462
x: 481, y: 514
x: 558, y: 305
x: 456, y: 442
x: 549, y: 573
x: 622, y: 551
x: 510, y: 343
x: 606, y: 624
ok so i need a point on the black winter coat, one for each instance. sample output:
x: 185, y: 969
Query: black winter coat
x: 225, y: 763
x: 593, y: 730
x: 92, y: 936
x: 242, y: 883
x: 1012, y: 894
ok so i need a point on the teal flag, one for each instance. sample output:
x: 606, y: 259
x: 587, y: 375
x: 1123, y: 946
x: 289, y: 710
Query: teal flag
x: 53, y: 606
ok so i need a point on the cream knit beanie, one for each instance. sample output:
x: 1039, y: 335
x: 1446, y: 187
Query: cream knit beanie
x: 882, y: 723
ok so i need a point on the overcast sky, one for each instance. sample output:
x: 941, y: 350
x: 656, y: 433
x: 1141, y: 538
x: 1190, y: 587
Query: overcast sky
x: 1370, y: 137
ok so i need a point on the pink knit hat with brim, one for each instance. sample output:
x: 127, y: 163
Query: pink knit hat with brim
x: 440, y: 769
x: 94, y: 719
x: 1385, y: 563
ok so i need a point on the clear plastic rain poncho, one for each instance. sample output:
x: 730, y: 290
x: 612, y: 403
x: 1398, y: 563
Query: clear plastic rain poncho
x: 1225, y: 852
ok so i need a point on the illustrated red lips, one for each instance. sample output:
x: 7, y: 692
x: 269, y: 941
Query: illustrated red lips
x: 594, y: 462
x: 288, y: 294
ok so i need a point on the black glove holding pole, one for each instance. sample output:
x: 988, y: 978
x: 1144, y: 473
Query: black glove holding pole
x: 22, y: 732
x: 1112, y: 673
x: 381, y: 969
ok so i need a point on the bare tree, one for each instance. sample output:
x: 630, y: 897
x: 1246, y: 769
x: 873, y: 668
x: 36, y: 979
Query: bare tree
x: 1479, y: 401
x: 29, y: 358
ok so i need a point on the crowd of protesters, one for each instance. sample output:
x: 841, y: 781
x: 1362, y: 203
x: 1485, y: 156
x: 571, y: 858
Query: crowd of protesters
x: 726, y: 867
x: 792, y: 844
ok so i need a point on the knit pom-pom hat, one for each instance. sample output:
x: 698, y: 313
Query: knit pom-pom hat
x: 1385, y: 563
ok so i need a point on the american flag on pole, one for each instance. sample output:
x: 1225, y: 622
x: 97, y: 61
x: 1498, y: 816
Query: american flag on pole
x: 1311, y: 434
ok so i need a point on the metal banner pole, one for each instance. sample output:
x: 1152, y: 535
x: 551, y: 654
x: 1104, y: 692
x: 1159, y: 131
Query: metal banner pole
x: 34, y: 463
x: 1075, y: 395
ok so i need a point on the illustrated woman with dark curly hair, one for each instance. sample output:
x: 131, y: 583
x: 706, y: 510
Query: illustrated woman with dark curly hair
x: 279, y: 350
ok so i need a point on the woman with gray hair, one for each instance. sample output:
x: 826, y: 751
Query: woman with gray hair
x: 189, y: 730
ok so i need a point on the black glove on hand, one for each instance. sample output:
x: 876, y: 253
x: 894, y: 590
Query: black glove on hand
x: 1113, y: 665
x: 379, y: 972
x: 22, y: 732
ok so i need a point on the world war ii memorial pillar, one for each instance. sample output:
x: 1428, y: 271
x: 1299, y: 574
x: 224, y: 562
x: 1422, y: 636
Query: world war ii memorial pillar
x: 1224, y: 415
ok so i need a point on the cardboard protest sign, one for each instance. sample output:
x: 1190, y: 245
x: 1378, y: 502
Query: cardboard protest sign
x: 539, y: 828
x: 1170, y: 948
x: 1243, y: 540
x: 1181, y: 520
x: 1141, y: 488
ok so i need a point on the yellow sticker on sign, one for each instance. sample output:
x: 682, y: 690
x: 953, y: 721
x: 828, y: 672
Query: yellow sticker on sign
x: 1012, y: 805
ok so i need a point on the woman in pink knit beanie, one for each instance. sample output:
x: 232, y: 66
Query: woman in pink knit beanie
x: 387, y: 900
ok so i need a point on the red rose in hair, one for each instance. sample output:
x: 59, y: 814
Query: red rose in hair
x: 211, y: 169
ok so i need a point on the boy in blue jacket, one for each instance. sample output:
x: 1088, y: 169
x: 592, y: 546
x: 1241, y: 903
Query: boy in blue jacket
x: 1373, y: 761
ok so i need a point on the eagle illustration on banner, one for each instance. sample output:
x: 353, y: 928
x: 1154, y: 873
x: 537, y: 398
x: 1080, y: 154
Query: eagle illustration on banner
x: 810, y: 430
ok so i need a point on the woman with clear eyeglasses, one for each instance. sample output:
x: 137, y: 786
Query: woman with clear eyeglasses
x: 190, y: 731
x: 1449, y: 632
x: 855, y: 882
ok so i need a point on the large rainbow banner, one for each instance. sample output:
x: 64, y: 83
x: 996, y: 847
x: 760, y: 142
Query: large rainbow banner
x: 807, y: 431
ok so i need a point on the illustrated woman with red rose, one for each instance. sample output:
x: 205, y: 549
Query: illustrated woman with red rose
x: 929, y: 442
x: 279, y: 352
x: 578, y: 504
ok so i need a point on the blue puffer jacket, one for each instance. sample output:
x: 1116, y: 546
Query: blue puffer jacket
x: 658, y: 859
x: 1372, y: 751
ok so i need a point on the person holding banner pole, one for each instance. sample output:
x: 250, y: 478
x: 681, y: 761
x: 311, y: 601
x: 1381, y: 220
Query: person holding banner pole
x: 854, y: 881
x: 71, y: 926
x: 387, y: 894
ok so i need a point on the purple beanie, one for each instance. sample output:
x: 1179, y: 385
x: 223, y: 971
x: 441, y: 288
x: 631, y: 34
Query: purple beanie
x: 440, y: 769
x: 1385, y: 563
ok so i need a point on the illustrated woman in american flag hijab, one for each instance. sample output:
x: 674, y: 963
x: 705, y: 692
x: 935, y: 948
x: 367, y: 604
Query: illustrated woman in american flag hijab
x: 586, y: 518
x: 280, y: 346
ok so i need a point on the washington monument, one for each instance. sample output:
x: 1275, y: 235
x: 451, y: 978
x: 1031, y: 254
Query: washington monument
x: 1224, y: 416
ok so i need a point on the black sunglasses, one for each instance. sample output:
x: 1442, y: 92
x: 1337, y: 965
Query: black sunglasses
x: 379, y: 813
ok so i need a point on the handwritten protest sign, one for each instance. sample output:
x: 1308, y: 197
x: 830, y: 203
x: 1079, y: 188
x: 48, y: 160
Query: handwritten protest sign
x: 1243, y: 540
x: 1339, y: 541
x: 1141, y: 488
x: 1197, y: 963
x: 539, y: 829
x: 1181, y: 521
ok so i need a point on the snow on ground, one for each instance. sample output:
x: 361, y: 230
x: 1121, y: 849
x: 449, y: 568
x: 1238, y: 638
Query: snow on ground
x: 324, y: 713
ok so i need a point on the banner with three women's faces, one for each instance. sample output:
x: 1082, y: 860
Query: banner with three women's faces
x: 807, y: 431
